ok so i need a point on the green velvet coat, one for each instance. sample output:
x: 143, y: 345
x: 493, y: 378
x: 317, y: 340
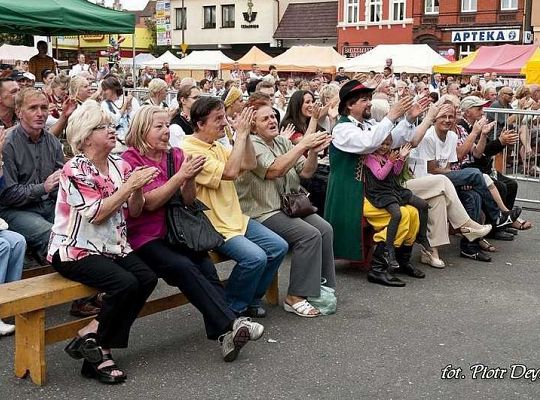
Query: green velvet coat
x: 345, y: 203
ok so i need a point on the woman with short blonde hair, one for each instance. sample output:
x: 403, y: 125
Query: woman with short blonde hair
x: 140, y: 126
x: 89, y: 240
x: 157, y: 93
x: 83, y: 125
x: 79, y: 89
x: 192, y: 272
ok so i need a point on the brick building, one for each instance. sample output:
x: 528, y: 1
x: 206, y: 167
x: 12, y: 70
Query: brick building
x: 363, y: 24
x: 464, y: 25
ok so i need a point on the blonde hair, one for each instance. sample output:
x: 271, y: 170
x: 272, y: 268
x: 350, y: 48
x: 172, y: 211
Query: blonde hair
x: 140, y: 126
x: 523, y: 91
x: 60, y: 81
x: 155, y: 86
x: 328, y: 92
x: 82, y: 122
x: 75, y: 84
x: 27, y: 93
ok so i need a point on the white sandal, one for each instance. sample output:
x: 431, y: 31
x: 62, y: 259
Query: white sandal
x: 302, y: 309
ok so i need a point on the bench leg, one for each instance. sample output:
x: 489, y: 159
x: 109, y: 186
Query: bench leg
x: 30, y: 346
x: 272, y: 294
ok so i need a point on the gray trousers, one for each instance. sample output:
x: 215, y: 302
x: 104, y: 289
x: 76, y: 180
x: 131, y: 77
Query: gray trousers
x: 311, y: 240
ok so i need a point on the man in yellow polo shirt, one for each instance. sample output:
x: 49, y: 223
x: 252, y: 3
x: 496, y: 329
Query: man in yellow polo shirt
x: 257, y: 250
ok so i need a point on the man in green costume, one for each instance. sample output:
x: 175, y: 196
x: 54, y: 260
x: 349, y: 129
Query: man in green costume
x: 356, y: 134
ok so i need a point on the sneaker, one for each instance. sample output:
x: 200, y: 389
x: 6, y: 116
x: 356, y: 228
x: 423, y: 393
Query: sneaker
x: 6, y: 329
x: 256, y: 330
x: 508, y: 217
x: 233, y: 341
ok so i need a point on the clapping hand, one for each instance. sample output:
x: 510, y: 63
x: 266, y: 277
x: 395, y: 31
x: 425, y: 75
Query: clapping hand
x: 393, y: 155
x: 418, y: 108
x: 373, y: 82
x: 432, y: 111
x: 287, y: 131
x: 314, y: 140
x: 242, y: 124
x: 325, y: 142
x: 404, y: 151
x: 68, y: 106
x: 361, y: 77
x: 486, y: 129
x: 141, y: 176
x: 191, y: 166
x: 400, y: 108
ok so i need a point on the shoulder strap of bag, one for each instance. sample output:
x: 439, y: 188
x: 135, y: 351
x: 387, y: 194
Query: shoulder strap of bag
x: 110, y: 104
x: 170, y: 164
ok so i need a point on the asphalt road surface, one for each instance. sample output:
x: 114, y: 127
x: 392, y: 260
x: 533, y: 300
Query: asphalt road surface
x: 384, y: 343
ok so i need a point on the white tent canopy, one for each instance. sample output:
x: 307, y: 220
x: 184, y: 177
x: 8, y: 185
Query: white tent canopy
x: 9, y: 54
x: 411, y: 58
x: 204, y: 59
x: 166, y: 57
x: 139, y: 59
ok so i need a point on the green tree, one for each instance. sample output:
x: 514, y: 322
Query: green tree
x: 16, y: 39
x: 154, y: 48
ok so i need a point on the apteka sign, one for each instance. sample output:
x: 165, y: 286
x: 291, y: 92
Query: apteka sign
x: 486, y: 35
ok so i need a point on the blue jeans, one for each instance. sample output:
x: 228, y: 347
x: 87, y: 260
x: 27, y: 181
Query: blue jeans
x: 473, y: 177
x: 12, y: 249
x: 34, y: 223
x: 472, y: 202
x: 258, y: 254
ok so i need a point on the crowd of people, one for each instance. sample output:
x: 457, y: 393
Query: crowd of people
x: 87, y: 175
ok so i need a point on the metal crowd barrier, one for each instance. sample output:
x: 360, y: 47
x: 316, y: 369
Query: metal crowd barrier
x: 514, y: 160
x: 142, y: 93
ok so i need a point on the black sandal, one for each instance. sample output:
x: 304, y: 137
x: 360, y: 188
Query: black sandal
x: 84, y: 347
x: 103, y: 375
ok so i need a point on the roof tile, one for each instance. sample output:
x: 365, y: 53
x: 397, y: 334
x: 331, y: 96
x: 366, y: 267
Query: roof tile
x: 308, y: 20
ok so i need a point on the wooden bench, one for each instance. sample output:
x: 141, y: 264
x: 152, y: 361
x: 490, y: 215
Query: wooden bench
x: 28, y: 299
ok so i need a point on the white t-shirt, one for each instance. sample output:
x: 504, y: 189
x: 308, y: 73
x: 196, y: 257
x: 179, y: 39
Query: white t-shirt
x: 176, y: 135
x: 433, y: 148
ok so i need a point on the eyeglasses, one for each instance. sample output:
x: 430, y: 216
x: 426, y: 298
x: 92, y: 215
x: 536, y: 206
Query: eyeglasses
x: 508, y: 93
x: 194, y: 97
x: 104, y: 126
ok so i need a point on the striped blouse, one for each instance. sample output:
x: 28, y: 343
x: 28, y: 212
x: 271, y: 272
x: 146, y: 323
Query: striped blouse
x: 81, y: 193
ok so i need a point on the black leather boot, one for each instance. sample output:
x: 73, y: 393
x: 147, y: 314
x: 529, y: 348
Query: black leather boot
x: 403, y: 256
x: 379, y: 269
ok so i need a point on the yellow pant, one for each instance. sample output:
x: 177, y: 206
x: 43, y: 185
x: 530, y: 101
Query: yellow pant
x: 379, y: 218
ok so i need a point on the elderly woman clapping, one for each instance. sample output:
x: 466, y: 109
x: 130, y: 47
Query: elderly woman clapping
x: 89, y: 239
x: 192, y: 272
x: 280, y: 165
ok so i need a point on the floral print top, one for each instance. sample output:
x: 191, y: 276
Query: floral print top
x: 81, y: 193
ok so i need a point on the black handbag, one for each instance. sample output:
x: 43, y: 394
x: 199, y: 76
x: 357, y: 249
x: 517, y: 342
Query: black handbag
x: 187, y: 225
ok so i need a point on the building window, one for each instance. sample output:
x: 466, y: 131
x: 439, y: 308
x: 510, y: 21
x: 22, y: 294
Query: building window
x: 431, y: 7
x: 374, y: 10
x: 181, y: 18
x: 468, y: 5
x: 227, y: 16
x: 509, y: 5
x: 397, y: 10
x: 351, y: 11
x: 466, y: 49
x: 209, y: 15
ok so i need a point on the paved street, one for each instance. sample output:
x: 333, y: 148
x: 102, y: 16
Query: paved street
x: 383, y: 343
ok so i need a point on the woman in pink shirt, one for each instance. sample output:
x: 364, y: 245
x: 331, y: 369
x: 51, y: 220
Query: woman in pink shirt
x: 193, y: 273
